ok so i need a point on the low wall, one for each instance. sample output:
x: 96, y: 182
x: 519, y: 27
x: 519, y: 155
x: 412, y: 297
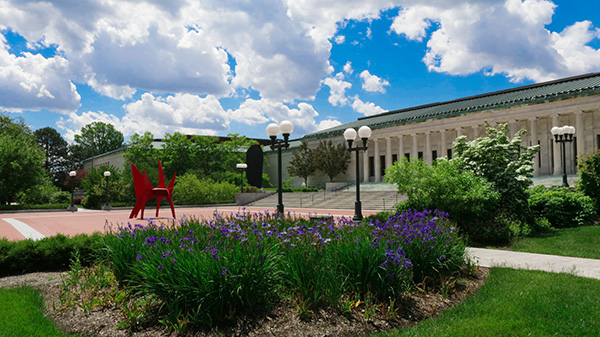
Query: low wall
x: 246, y: 198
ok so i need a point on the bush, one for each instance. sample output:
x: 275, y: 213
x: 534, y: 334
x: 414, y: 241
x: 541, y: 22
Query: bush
x: 189, y: 190
x: 48, y: 254
x: 562, y: 206
x: 470, y: 200
x: 95, y: 187
x: 588, y: 168
x: 44, y: 194
x: 207, y: 273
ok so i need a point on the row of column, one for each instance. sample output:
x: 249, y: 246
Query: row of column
x: 532, y: 125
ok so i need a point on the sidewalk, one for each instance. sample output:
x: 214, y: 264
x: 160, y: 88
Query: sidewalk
x: 589, y: 268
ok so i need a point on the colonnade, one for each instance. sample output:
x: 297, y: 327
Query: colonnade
x: 429, y: 141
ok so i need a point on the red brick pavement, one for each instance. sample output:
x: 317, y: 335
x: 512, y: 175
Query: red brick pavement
x: 88, y: 222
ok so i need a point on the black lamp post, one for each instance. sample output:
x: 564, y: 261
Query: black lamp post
x: 242, y: 167
x: 72, y: 207
x: 107, y: 206
x: 273, y: 130
x: 563, y: 135
x: 364, y: 132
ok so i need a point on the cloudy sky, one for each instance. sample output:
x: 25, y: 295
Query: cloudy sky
x: 223, y: 66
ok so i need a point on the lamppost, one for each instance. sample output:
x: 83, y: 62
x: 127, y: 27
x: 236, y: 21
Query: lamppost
x: 107, y: 206
x: 563, y: 135
x: 242, y: 167
x: 364, y: 132
x: 273, y: 130
x: 72, y: 207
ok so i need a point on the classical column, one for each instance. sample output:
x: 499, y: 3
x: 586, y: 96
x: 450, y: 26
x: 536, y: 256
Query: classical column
x: 376, y: 156
x: 556, y: 146
x: 400, y: 147
x: 414, y: 154
x: 534, y: 141
x: 388, y: 152
x: 444, y: 147
x: 475, y: 131
x: 513, y: 128
x: 579, y: 133
x: 458, y: 132
x: 366, y: 174
x: 427, y: 156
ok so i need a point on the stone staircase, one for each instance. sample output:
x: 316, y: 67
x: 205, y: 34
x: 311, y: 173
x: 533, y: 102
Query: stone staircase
x: 374, y: 196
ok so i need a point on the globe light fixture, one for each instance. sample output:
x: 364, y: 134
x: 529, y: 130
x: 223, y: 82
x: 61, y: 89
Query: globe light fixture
x: 273, y: 130
x: 242, y: 167
x: 563, y: 135
x: 364, y: 133
x: 72, y: 207
x: 107, y: 206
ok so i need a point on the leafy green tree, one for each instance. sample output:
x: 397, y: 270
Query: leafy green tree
x: 57, y: 153
x: 331, y: 159
x: 588, y: 168
x: 504, y: 162
x: 303, y: 163
x: 21, y: 159
x: 94, y: 139
x: 141, y: 152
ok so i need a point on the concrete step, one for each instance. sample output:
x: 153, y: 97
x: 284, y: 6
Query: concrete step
x: 371, y: 200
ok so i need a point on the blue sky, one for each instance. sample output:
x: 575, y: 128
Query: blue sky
x: 219, y: 67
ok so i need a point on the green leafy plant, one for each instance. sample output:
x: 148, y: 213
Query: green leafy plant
x: 588, y: 169
x: 562, y: 207
x: 189, y: 190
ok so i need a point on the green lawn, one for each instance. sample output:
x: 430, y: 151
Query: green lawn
x: 521, y: 303
x: 21, y: 314
x: 578, y: 242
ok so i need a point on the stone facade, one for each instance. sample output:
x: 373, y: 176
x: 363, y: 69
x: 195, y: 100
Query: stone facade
x: 431, y: 138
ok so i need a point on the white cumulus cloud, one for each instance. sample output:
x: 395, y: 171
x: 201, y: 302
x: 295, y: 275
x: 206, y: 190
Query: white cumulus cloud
x: 337, y: 89
x: 372, y: 83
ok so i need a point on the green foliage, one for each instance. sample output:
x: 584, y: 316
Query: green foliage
x: 588, y: 168
x: 48, y: 254
x: 303, y: 163
x: 505, y: 163
x: 44, y: 194
x: 21, y: 159
x: 215, y: 271
x: 95, y: 186
x: 36, y: 206
x: 57, y: 161
x: 562, y: 206
x: 94, y: 139
x: 330, y: 159
x: 468, y: 199
x: 189, y: 190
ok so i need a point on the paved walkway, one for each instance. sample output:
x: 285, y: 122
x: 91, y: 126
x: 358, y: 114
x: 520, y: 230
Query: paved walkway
x: 589, y: 268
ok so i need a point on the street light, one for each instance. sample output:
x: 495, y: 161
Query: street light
x: 563, y: 135
x: 273, y: 130
x: 72, y: 207
x: 242, y: 167
x: 107, y: 206
x: 364, y: 132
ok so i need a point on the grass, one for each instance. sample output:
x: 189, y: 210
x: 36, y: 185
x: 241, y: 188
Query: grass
x: 21, y: 314
x: 520, y: 303
x: 577, y: 242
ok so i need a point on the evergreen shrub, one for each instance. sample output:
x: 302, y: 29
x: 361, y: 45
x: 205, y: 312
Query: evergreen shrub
x: 562, y: 206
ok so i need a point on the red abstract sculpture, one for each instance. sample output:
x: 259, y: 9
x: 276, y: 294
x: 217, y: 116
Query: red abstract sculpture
x: 144, y: 191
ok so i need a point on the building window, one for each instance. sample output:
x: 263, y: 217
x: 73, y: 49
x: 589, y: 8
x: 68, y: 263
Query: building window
x: 449, y: 154
x: 382, y: 165
x: 407, y: 156
x: 540, y: 154
x: 371, y: 166
x: 420, y: 155
x: 598, y: 142
x: 433, y: 155
x: 394, y: 158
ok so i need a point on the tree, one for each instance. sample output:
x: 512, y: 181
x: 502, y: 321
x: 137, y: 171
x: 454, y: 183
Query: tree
x: 57, y: 152
x: 331, y: 159
x: 94, y: 139
x: 21, y: 159
x: 502, y: 161
x: 303, y: 163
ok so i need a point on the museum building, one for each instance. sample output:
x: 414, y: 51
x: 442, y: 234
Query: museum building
x: 427, y: 131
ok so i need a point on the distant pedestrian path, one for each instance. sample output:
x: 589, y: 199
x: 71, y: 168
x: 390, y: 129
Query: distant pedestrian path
x: 589, y: 268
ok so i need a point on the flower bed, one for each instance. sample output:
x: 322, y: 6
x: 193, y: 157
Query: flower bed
x: 212, y: 272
